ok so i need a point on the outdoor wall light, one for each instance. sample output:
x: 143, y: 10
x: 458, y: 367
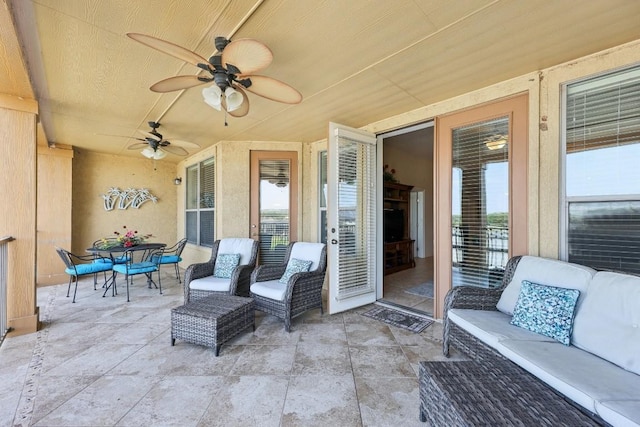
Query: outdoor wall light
x: 177, y: 181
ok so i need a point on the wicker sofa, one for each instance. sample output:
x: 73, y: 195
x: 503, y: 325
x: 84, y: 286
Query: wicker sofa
x: 599, y: 371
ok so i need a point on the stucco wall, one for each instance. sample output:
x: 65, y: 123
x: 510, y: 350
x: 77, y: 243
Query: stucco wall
x: 95, y: 173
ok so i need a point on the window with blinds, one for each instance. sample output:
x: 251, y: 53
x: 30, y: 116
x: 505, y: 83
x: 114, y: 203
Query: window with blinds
x: 602, y: 190
x: 356, y: 217
x: 480, y: 202
x: 200, y: 203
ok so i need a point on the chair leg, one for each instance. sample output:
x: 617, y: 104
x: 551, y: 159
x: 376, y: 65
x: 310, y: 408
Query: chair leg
x: 75, y: 290
x: 69, y: 286
x: 177, y: 272
x: 127, y: 280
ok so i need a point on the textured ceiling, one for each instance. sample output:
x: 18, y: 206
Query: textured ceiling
x: 355, y: 62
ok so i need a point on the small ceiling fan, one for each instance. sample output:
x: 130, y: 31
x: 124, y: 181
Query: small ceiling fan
x: 154, y: 146
x: 232, y: 70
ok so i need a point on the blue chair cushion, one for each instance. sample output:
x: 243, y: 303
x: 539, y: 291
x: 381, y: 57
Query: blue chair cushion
x: 135, y: 268
x: 81, y: 269
x: 168, y: 259
x: 119, y: 260
x: 102, y: 261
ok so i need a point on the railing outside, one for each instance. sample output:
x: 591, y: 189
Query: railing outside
x: 496, y: 250
x: 4, y: 259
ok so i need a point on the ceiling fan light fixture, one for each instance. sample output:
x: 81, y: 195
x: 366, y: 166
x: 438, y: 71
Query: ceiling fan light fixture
x: 233, y: 99
x: 150, y: 153
x: 213, y: 97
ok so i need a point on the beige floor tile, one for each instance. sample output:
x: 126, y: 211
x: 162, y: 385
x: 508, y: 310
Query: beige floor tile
x: 321, y: 359
x: 379, y: 361
x: 321, y: 401
x: 388, y: 401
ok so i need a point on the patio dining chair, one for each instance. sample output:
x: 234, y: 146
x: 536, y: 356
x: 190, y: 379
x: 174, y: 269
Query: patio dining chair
x: 83, y: 265
x: 172, y: 255
x: 140, y: 259
x: 294, y: 287
x: 227, y: 272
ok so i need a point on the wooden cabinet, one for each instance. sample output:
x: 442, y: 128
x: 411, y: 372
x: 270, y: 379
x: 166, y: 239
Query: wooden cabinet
x: 398, y: 248
x: 398, y: 256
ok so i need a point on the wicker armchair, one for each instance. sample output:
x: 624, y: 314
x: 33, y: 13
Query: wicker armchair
x: 303, y: 290
x: 199, y: 280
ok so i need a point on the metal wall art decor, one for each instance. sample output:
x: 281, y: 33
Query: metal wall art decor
x: 124, y: 199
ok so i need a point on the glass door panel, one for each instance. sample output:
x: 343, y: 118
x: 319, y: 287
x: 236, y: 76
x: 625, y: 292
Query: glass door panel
x: 273, y: 213
x: 480, y: 202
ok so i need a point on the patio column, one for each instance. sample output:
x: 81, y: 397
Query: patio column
x: 18, y: 208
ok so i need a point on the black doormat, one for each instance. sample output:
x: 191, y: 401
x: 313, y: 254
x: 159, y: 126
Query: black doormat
x: 398, y: 318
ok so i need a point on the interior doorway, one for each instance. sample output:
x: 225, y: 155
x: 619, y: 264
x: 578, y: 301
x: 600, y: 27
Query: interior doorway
x: 408, y: 218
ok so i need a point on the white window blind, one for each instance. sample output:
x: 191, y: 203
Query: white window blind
x: 602, y: 149
x: 480, y: 202
x: 200, y: 203
x: 356, y: 217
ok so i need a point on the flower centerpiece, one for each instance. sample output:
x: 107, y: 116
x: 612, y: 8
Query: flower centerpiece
x: 127, y: 239
x: 388, y: 175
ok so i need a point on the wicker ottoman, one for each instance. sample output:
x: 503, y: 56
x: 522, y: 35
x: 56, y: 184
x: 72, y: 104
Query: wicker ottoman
x: 493, y: 392
x: 213, y: 320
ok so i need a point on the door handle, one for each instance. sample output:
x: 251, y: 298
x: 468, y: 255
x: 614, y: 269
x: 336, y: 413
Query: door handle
x: 334, y: 242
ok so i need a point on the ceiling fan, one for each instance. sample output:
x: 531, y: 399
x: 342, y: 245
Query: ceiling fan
x: 232, y: 70
x: 154, y: 146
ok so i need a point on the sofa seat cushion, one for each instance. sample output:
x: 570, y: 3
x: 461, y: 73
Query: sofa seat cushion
x: 210, y: 283
x: 491, y: 327
x: 548, y: 272
x: 271, y: 289
x: 607, y: 323
x: 623, y: 413
x: 577, y: 374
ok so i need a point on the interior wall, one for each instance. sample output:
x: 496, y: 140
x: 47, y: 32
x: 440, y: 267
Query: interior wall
x: 95, y: 173
x: 411, y: 155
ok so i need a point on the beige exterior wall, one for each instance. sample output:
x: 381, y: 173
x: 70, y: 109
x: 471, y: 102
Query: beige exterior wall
x: 94, y: 174
x: 54, y: 212
x: 18, y: 210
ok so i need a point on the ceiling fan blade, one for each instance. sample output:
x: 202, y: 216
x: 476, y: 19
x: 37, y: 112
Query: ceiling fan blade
x: 175, y: 150
x: 148, y: 135
x: 169, y: 48
x: 137, y: 146
x: 185, y: 144
x: 119, y: 136
x: 241, y: 111
x: 248, y: 55
x: 176, y: 83
x: 274, y: 90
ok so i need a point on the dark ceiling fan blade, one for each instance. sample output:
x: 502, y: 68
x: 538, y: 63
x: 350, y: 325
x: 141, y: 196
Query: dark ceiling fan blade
x: 148, y: 135
x: 175, y: 150
x: 176, y: 83
x: 274, y: 90
x: 241, y: 111
x: 248, y: 55
x: 169, y: 48
x: 137, y: 146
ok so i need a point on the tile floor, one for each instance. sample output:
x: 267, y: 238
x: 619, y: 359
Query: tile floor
x: 106, y: 362
x: 396, y: 284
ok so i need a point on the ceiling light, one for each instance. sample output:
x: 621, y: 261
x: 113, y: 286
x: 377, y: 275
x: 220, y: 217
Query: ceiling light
x: 496, y: 142
x: 213, y: 96
x: 150, y: 153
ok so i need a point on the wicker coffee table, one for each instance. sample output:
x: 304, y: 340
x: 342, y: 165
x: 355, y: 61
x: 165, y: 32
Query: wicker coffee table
x: 491, y: 393
x: 213, y: 320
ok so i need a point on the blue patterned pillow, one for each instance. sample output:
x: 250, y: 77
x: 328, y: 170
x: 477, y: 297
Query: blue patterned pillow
x: 546, y: 310
x: 225, y: 264
x: 295, y: 266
